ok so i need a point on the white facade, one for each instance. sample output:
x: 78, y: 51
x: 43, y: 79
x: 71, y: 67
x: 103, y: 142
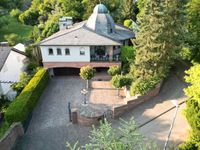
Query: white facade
x: 14, y: 65
x: 74, y: 56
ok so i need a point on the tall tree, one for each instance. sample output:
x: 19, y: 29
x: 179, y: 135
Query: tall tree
x: 193, y: 9
x: 128, y: 10
x: 159, y: 37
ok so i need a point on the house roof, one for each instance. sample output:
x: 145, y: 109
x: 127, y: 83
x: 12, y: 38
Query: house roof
x: 99, y: 29
x: 4, y: 52
x: 79, y: 36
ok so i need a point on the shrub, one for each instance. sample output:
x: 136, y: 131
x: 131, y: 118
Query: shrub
x: 127, y: 23
x: 15, y: 13
x: 114, y: 70
x: 23, y: 81
x: 21, y: 107
x: 143, y: 86
x: 12, y: 38
x: 119, y: 81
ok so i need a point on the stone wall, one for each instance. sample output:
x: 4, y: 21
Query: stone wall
x: 8, y: 140
x: 134, y: 101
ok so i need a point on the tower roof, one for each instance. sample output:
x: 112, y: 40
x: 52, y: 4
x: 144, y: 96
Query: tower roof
x: 100, y: 9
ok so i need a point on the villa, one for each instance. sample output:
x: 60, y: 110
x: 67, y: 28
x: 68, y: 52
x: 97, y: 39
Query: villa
x: 96, y: 42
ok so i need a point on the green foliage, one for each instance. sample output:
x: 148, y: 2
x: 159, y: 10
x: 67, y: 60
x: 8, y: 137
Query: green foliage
x: 128, y: 10
x: 107, y: 138
x: 128, y: 54
x: 192, y: 111
x: 14, y: 26
x: 87, y: 72
x: 15, y: 13
x: 119, y: 81
x: 4, y: 103
x: 3, y: 21
x: 193, y: 26
x: 114, y: 70
x: 21, y: 107
x: 160, y: 37
x: 127, y: 23
x: 11, y: 38
x: 29, y: 17
x: 3, y: 128
x: 23, y: 81
x: 143, y: 86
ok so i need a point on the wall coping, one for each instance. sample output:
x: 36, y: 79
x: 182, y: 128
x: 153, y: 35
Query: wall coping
x: 10, y: 136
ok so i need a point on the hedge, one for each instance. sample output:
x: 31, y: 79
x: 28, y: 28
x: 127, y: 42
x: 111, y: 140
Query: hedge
x: 23, y: 105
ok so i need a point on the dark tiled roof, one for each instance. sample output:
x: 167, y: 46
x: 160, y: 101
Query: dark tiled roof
x: 4, y: 52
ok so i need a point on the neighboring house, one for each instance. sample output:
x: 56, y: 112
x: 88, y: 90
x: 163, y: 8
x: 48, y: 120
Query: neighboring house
x: 12, y: 63
x: 96, y: 42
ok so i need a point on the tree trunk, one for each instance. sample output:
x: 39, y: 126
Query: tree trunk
x: 87, y: 84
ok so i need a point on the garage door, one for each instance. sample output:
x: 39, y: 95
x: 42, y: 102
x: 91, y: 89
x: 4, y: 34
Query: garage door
x: 66, y: 71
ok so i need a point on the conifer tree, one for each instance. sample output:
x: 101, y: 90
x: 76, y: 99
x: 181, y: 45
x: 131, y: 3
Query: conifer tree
x: 159, y: 38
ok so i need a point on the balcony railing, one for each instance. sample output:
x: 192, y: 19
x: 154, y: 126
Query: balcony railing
x: 104, y: 58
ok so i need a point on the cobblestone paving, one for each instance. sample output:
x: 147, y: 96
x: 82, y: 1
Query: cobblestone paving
x: 50, y: 128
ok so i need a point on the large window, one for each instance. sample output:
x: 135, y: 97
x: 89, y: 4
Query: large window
x: 50, y: 51
x: 67, y: 51
x: 59, y: 52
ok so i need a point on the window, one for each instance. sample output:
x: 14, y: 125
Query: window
x: 50, y: 51
x: 67, y: 52
x: 111, y: 30
x: 59, y: 52
x: 82, y: 53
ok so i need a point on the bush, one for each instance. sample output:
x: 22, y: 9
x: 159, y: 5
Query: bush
x: 11, y: 39
x: 143, y: 86
x: 15, y: 13
x: 119, y: 81
x: 114, y: 70
x: 188, y: 146
x: 29, y: 17
x: 19, y: 86
x: 127, y: 23
x: 23, y: 105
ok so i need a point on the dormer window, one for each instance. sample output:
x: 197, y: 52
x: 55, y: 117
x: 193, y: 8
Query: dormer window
x: 67, y: 51
x: 50, y: 51
x: 59, y: 52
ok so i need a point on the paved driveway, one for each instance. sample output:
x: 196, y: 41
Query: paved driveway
x: 50, y: 128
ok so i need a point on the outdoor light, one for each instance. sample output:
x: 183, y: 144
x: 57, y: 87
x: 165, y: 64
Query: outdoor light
x: 84, y: 92
x: 175, y: 103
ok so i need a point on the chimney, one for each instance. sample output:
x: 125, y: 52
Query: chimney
x: 65, y: 23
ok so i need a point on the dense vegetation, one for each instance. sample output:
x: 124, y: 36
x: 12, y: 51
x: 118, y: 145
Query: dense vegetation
x: 105, y: 137
x: 21, y: 107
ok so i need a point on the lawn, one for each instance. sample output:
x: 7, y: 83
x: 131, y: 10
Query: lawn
x: 14, y: 26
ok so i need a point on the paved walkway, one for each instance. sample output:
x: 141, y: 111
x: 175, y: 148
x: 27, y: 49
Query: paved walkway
x: 50, y: 129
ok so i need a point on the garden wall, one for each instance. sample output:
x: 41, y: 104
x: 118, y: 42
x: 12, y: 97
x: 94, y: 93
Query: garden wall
x: 8, y: 140
x: 134, y: 101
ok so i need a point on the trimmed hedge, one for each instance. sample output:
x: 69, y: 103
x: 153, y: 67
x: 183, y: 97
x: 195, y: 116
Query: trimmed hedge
x: 23, y: 105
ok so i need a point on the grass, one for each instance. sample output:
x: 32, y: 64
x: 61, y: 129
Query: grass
x: 14, y: 26
x: 3, y: 128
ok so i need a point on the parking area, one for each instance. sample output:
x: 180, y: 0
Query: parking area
x: 50, y: 128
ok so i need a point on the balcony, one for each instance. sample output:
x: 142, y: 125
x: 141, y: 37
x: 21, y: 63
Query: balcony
x: 105, y: 58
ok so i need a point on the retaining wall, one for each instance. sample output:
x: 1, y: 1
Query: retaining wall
x: 9, y: 138
x: 134, y: 101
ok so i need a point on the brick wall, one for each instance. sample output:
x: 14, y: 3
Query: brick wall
x: 10, y: 136
x: 135, y: 101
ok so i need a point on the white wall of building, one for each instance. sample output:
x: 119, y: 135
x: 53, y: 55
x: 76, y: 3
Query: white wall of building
x: 14, y: 65
x: 73, y: 57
